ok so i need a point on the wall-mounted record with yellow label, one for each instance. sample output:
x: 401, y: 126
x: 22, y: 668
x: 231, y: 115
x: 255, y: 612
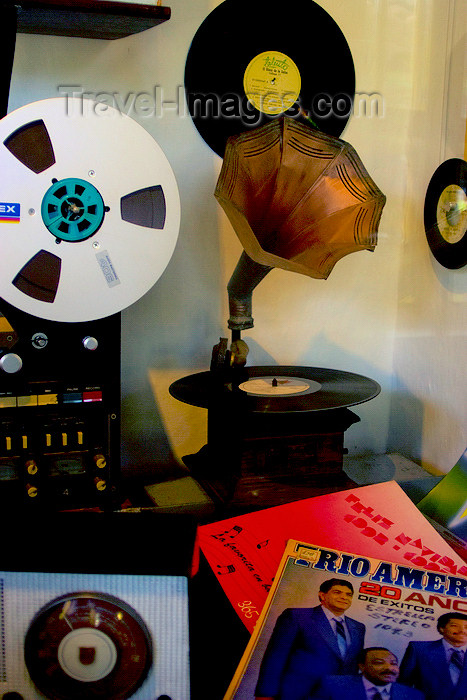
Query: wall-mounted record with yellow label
x: 252, y: 60
x: 89, y: 210
x: 445, y: 213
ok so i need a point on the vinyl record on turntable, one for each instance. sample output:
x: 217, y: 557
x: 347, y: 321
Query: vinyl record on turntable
x: 265, y: 389
x: 251, y: 60
x: 90, y: 206
x: 445, y: 213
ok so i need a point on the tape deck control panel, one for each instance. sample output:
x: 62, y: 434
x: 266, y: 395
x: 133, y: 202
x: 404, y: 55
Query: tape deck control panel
x: 59, y: 411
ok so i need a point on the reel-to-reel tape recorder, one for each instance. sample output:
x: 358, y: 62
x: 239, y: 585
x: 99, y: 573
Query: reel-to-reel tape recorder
x: 89, y: 219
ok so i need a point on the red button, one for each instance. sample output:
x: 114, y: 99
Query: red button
x: 92, y: 396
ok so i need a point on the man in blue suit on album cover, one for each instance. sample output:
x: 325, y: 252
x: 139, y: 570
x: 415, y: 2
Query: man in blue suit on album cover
x: 439, y: 668
x: 378, y: 680
x: 309, y: 643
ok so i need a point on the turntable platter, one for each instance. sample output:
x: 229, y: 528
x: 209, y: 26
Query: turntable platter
x: 321, y: 389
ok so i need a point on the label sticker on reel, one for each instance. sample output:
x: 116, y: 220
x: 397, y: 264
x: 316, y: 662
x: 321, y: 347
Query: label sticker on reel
x: 10, y: 212
x: 107, y: 268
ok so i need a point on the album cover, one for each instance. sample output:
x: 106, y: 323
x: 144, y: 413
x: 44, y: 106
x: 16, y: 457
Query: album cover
x: 398, y: 613
x: 378, y: 521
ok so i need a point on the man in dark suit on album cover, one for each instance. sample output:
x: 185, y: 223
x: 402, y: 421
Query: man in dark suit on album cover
x: 438, y: 668
x: 309, y: 643
x: 378, y: 680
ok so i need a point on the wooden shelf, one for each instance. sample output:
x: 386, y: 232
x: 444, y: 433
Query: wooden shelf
x: 92, y: 19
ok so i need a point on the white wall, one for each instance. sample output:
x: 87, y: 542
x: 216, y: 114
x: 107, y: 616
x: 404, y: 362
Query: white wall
x: 429, y: 409
x: 361, y: 319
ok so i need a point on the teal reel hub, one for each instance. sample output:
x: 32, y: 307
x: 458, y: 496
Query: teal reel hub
x: 72, y: 210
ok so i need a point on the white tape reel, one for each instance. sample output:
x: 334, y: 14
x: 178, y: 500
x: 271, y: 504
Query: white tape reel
x: 89, y: 210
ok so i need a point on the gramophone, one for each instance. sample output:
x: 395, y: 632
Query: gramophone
x: 300, y: 200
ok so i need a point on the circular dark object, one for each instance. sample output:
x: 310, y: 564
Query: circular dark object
x: 307, y: 61
x: 338, y: 390
x: 87, y: 645
x: 445, y: 213
x: 72, y: 209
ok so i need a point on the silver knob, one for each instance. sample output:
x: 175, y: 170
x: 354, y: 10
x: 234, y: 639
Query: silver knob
x: 39, y: 340
x: 90, y: 343
x: 11, y: 362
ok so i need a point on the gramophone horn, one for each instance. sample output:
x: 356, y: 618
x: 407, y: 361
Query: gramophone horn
x: 298, y: 199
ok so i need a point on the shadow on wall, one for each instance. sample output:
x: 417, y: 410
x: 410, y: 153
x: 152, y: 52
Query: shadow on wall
x: 454, y: 281
x: 405, y: 424
x: 430, y: 429
x: 145, y: 448
x: 415, y: 422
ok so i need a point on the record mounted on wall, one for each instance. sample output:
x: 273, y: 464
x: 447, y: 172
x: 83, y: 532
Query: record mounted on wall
x: 445, y: 213
x: 252, y: 60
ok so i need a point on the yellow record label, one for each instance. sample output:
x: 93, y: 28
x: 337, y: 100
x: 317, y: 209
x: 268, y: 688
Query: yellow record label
x: 272, y: 82
x: 451, y: 214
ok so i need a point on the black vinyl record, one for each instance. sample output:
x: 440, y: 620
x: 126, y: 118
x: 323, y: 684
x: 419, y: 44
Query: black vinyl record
x: 331, y: 388
x: 251, y: 60
x: 445, y: 213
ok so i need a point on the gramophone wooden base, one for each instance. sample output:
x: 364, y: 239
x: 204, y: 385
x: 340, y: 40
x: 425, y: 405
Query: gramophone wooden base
x: 275, y: 459
x: 265, y: 492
